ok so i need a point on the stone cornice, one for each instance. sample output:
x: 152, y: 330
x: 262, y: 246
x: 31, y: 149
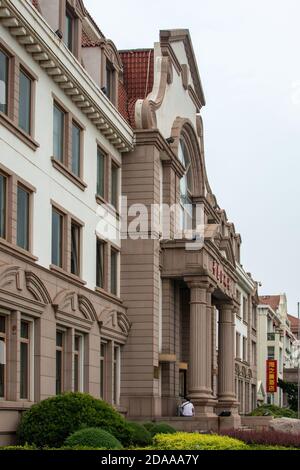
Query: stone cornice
x: 48, y: 50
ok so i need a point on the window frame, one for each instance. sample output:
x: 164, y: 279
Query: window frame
x: 103, y: 370
x: 6, y: 206
x: 30, y: 365
x: 4, y: 336
x: 6, y: 53
x: 116, y: 376
x: 75, y: 223
x: 116, y: 251
x: 62, y: 240
x: 115, y: 166
x: 101, y: 241
x: 99, y: 197
x: 80, y: 354
x: 25, y: 73
x: 27, y: 190
x: 60, y: 349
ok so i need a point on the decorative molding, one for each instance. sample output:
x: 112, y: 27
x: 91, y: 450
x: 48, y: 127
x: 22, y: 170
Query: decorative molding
x: 11, y: 275
x: 86, y: 308
x: 19, y: 17
x: 65, y: 299
x: 37, y: 288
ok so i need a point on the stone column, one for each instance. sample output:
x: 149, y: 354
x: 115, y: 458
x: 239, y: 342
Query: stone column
x: 226, y: 363
x: 200, y: 360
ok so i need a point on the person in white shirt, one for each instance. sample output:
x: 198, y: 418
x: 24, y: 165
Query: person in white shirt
x: 187, y: 408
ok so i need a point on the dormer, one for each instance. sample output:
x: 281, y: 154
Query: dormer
x: 65, y: 17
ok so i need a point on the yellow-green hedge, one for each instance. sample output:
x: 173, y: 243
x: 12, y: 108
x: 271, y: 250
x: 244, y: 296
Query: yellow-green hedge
x: 187, y: 441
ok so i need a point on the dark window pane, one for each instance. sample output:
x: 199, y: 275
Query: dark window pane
x: 58, y: 133
x: 76, y: 132
x: 75, y: 248
x: 57, y: 222
x: 76, y: 373
x: 24, y: 371
x: 100, y: 173
x: 4, y: 61
x: 114, y: 272
x: 2, y: 324
x: 100, y: 264
x: 25, y: 102
x: 2, y: 206
x: 69, y: 31
x: 2, y: 367
x: 59, y: 370
x: 59, y: 339
x: 24, y: 330
x: 23, y: 219
x: 109, y: 80
x: 114, y: 185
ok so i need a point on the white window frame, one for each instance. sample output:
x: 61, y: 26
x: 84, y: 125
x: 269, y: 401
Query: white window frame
x: 5, y: 313
x: 116, y: 383
x: 31, y: 357
x: 81, y: 362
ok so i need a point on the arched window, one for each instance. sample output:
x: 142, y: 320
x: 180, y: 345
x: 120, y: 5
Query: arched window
x: 186, y: 207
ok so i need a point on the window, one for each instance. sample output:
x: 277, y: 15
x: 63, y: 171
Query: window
x: 68, y: 37
x: 100, y: 173
x: 102, y: 369
x: 244, y: 348
x: 3, y: 197
x: 76, y: 150
x: 78, y: 363
x: 2, y: 355
x: 116, y: 375
x: 4, y: 67
x: 271, y: 352
x: 58, y: 133
x: 25, y: 102
x: 245, y: 307
x: 23, y: 218
x: 186, y: 216
x: 238, y: 345
x: 114, y: 271
x: 114, y: 185
x: 59, y: 362
x: 57, y: 238
x: 100, y: 264
x: 75, y: 248
x: 110, y: 82
x: 253, y: 353
x: 25, y: 361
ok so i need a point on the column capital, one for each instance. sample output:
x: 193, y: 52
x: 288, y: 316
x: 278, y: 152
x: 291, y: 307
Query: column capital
x: 197, y: 282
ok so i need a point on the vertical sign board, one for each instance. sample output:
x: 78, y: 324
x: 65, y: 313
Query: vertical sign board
x: 271, y: 376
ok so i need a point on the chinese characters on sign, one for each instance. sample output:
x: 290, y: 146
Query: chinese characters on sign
x: 271, y: 376
x: 220, y: 275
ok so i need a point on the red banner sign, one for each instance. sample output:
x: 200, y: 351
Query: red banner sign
x: 271, y: 376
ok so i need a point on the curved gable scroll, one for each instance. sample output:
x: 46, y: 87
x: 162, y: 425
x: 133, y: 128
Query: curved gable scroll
x: 74, y: 310
x: 114, y: 325
x: 37, y: 288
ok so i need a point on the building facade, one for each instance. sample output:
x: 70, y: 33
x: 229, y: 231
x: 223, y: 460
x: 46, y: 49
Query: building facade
x: 130, y: 299
x: 246, y: 342
x: 275, y: 342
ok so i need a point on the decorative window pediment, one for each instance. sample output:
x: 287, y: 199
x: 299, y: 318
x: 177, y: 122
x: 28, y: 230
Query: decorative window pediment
x: 75, y: 310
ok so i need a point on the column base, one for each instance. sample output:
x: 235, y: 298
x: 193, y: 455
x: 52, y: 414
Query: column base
x: 228, y: 422
x: 204, y: 407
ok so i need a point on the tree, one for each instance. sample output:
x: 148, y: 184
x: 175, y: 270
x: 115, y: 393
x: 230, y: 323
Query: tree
x: 291, y: 389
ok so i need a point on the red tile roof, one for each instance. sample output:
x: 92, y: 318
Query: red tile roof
x: 138, y: 78
x: 294, y: 321
x: 272, y: 300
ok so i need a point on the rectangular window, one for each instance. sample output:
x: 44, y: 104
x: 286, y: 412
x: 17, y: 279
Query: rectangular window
x: 76, y: 138
x: 75, y: 248
x: 100, y: 264
x: 3, y: 190
x: 68, y: 39
x: 271, y: 352
x: 2, y: 355
x: 25, y: 361
x: 58, y: 133
x: 78, y: 363
x: 4, y: 67
x: 254, y: 353
x: 102, y: 370
x: 25, y: 102
x: 114, y: 185
x: 245, y: 306
x: 116, y: 375
x: 244, y: 349
x: 59, y: 362
x: 114, y: 272
x: 109, y: 80
x: 57, y: 238
x: 23, y: 218
x: 238, y: 345
x: 100, y: 173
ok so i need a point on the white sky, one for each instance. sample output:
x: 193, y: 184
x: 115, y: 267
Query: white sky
x: 248, y: 57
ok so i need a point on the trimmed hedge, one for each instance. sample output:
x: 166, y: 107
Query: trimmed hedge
x: 273, y: 410
x: 186, y: 441
x: 93, y: 438
x: 50, y: 422
x: 266, y: 437
x: 162, y: 428
x: 149, y: 425
x: 141, y: 436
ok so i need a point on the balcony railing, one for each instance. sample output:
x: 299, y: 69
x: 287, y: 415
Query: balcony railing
x: 271, y: 336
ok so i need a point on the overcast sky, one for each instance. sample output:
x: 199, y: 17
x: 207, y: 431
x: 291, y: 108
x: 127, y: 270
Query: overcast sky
x: 249, y: 62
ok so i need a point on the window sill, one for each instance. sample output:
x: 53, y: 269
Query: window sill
x: 16, y: 251
x: 111, y: 209
x: 108, y: 295
x: 23, y: 136
x: 15, y: 405
x: 66, y: 275
x: 68, y: 174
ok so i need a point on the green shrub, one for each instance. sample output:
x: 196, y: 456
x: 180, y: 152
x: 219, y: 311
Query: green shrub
x: 273, y: 410
x: 149, y: 425
x: 162, y: 428
x: 93, y: 438
x: 51, y: 421
x: 141, y: 436
x: 187, y: 441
